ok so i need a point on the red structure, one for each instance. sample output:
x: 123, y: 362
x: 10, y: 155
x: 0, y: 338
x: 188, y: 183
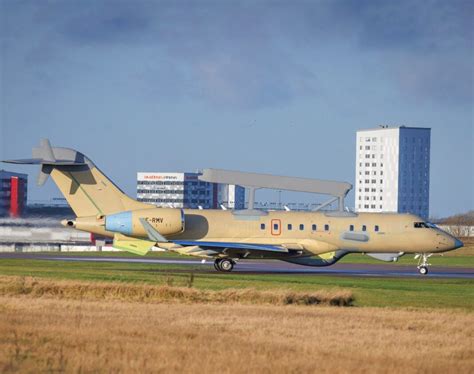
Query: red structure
x: 14, y: 197
x: 13, y: 190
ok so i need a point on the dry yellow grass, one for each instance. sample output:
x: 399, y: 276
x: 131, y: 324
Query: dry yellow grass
x: 80, y: 290
x: 41, y: 333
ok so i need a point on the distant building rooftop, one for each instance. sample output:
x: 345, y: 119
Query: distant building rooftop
x: 391, y: 127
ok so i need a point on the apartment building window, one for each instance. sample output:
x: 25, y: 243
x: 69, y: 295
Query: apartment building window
x: 262, y: 226
x: 326, y: 227
x: 290, y: 227
x: 376, y: 228
x: 301, y: 227
x: 351, y: 228
x: 314, y: 227
x: 364, y: 228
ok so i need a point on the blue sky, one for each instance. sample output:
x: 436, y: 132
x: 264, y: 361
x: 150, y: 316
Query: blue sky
x: 266, y: 86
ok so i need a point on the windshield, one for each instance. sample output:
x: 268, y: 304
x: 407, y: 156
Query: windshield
x: 425, y: 225
x: 419, y: 225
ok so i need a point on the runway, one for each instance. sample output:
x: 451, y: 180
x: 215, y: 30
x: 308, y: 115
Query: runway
x: 272, y: 266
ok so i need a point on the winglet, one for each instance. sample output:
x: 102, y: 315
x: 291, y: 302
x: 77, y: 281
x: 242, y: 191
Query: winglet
x: 46, y: 151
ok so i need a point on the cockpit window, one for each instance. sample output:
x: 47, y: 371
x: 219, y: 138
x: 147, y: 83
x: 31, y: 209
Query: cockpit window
x: 421, y: 225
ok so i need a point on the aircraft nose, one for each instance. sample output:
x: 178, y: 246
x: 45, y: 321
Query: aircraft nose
x: 458, y: 244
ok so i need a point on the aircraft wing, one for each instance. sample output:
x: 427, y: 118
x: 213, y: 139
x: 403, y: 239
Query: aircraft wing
x: 231, y: 249
x: 231, y: 245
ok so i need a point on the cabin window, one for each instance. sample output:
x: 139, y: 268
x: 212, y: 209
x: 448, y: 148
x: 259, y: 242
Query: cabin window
x: 301, y: 227
x: 290, y: 227
x: 262, y: 226
x: 376, y: 228
x: 364, y: 228
x: 314, y: 227
x: 326, y: 227
x: 351, y: 228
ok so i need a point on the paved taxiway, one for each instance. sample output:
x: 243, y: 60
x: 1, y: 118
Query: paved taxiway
x: 272, y: 266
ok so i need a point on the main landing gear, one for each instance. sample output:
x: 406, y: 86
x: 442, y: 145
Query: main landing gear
x: 423, y: 262
x: 224, y: 264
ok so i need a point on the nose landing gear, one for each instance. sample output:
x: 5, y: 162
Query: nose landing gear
x: 423, y: 262
x: 224, y: 264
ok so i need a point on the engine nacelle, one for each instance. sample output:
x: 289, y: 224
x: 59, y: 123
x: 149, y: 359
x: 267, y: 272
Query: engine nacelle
x: 166, y: 221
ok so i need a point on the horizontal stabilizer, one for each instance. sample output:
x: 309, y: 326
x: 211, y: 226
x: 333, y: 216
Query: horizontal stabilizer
x: 44, y: 157
x: 129, y: 244
x: 41, y: 161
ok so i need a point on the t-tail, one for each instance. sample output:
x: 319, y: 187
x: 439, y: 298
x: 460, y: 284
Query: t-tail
x: 87, y: 190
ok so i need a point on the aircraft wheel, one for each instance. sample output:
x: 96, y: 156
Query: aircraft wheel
x: 423, y: 270
x: 226, y: 265
x: 217, y: 264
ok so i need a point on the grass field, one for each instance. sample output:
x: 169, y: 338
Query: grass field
x: 62, y: 316
x: 54, y: 334
x: 416, y: 292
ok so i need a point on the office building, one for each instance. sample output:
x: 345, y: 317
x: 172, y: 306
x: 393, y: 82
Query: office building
x: 393, y: 170
x: 13, y: 193
x: 185, y: 190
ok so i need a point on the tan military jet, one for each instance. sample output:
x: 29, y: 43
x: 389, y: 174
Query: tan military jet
x: 227, y: 236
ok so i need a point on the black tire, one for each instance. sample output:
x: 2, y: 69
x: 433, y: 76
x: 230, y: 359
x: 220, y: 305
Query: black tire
x: 217, y: 264
x: 423, y: 270
x: 226, y: 265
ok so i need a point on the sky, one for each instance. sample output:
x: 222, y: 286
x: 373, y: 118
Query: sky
x: 276, y: 87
